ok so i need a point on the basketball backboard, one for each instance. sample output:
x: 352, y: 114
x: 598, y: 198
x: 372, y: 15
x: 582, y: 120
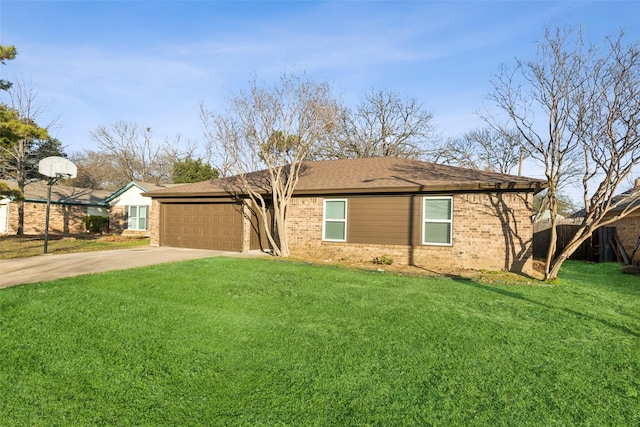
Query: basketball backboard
x: 57, y: 167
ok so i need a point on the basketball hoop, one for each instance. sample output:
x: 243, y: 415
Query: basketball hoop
x: 54, y: 168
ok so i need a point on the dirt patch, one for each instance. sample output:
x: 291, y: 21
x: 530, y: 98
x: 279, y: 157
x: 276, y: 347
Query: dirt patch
x: 482, y: 276
x: 118, y: 238
x: 631, y: 269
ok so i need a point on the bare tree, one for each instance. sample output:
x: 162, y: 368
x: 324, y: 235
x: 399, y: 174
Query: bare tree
x: 588, y: 97
x: 566, y: 205
x: 97, y: 170
x: 130, y: 153
x: 25, y: 142
x: 484, y: 149
x: 382, y: 124
x: 273, y: 128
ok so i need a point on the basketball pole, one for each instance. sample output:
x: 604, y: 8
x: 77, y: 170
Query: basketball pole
x: 54, y: 168
x: 50, y: 181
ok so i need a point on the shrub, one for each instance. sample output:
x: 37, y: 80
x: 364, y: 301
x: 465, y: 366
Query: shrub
x: 383, y: 260
x: 96, y: 223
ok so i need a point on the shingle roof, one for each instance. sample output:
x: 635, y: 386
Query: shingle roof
x: 633, y: 196
x: 61, y: 194
x: 371, y: 175
x: 143, y: 186
x: 150, y: 186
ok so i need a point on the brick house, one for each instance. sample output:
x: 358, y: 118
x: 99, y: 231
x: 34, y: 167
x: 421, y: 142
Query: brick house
x: 628, y: 228
x: 415, y: 212
x: 129, y: 210
x: 628, y: 231
x: 69, y: 207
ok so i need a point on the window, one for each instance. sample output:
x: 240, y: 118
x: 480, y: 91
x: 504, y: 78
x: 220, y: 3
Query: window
x: 137, y: 218
x: 334, y: 224
x: 438, y: 221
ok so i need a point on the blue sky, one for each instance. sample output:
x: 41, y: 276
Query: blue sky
x: 154, y: 62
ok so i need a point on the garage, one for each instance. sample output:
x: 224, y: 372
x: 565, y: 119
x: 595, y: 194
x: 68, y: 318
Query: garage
x: 216, y: 226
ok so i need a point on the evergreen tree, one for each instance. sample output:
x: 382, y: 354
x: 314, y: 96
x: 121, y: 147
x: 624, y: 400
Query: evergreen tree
x: 7, y: 53
x: 192, y: 170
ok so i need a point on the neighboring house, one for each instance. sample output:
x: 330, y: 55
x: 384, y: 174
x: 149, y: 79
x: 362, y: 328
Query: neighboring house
x: 130, y: 210
x: 415, y: 212
x: 545, y: 217
x: 69, y: 207
x: 601, y: 245
x: 628, y: 228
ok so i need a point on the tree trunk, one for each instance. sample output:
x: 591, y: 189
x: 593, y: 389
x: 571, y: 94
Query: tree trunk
x: 268, y: 225
x: 20, y: 231
x: 554, y: 268
x: 551, y: 250
x: 284, y: 243
x: 280, y: 228
x: 553, y: 239
x: 580, y: 237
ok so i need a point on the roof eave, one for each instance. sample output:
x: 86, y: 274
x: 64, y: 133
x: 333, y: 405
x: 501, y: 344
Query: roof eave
x: 510, y: 186
x: 532, y: 186
x: 123, y: 190
x: 66, y: 202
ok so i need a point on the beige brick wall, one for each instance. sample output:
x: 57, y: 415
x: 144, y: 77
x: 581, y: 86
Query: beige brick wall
x: 63, y: 219
x: 154, y: 223
x: 628, y: 230
x: 118, y: 222
x: 118, y: 219
x: 490, y: 231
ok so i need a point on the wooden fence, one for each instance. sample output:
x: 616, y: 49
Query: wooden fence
x: 596, y: 248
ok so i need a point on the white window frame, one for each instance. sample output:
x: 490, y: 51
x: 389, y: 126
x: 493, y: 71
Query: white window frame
x: 425, y: 221
x: 325, y: 220
x: 137, y: 217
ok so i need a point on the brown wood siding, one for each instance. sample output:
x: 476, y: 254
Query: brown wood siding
x: 216, y: 226
x: 384, y: 220
x: 258, y: 237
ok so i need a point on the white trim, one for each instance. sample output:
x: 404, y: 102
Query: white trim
x: 324, y: 219
x: 438, y: 221
x: 138, y: 216
x: 5, y: 207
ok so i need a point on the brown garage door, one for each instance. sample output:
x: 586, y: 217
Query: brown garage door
x: 201, y: 226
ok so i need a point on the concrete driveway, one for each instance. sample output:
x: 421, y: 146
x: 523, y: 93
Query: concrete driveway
x: 50, y: 267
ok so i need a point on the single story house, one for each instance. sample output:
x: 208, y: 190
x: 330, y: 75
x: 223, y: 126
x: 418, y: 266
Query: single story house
x: 415, y: 212
x: 628, y: 228
x: 129, y: 210
x: 628, y: 231
x: 602, y: 245
x: 69, y: 207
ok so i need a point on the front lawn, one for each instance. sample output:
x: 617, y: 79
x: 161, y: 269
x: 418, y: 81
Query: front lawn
x: 25, y: 246
x: 258, y: 342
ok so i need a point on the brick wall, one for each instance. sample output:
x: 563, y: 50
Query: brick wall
x: 118, y: 219
x: 628, y: 230
x: 154, y: 223
x: 63, y: 219
x: 118, y: 222
x: 490, y: 231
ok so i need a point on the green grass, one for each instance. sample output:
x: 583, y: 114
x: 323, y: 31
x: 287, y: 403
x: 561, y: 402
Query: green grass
x: 261, y: 343
x: 25, y: 246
